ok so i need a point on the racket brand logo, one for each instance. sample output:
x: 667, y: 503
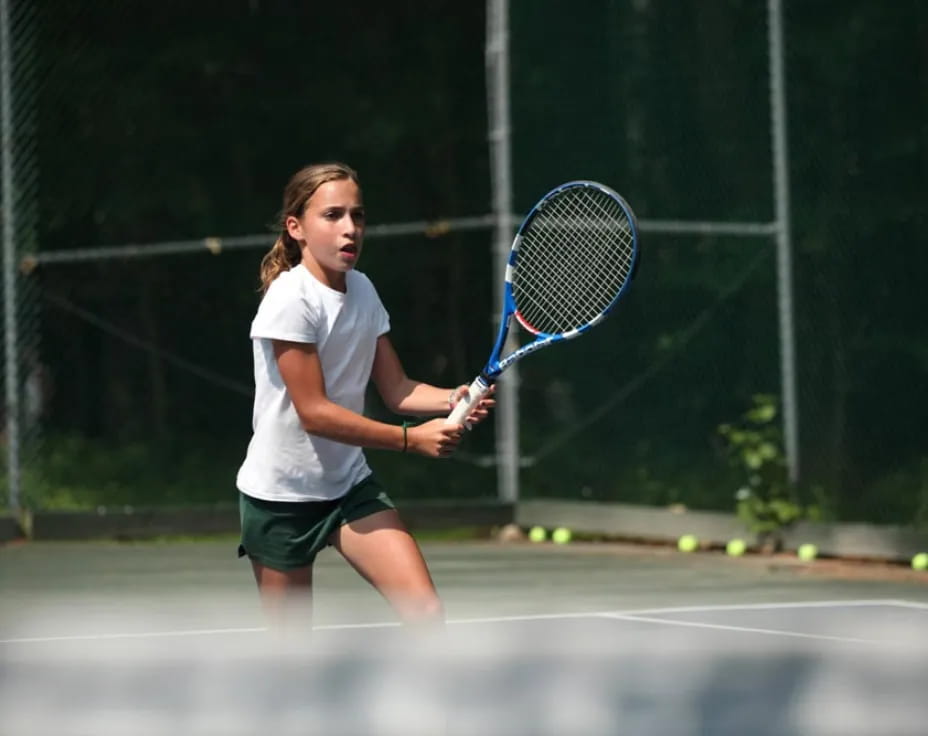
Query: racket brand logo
x: 530, y: 348
x: 573, y: 257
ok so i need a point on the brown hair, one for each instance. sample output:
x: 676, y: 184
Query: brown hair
x: 285, y: 253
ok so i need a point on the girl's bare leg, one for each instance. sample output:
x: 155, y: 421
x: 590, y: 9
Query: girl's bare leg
x: 286, y: 596
x: 381, y: 549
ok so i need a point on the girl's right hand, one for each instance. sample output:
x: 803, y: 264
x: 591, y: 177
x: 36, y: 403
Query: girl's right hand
x: 434, y: 438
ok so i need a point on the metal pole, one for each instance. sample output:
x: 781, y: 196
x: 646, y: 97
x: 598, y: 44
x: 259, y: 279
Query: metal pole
x: 780, y: 154
x: 9, y: 262
x: 507, y: 407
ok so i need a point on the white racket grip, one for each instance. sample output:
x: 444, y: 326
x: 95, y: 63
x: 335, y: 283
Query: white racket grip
x: 477, y: 390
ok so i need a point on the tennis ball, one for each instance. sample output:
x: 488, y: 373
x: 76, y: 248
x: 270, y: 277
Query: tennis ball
x: 807, y: 552
x: 920, y: 561
x: 735, y: 548
x: 561, y: 535
x: 510, y: 533
x: 687, y: 543
x: 537, y: 534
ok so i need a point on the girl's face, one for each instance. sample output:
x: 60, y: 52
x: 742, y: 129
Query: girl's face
x: 330, y: 231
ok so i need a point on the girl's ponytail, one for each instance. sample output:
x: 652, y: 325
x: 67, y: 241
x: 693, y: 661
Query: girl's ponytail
x: 283, y: 255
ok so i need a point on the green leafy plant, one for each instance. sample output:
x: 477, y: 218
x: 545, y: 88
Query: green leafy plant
x: 766, y: 501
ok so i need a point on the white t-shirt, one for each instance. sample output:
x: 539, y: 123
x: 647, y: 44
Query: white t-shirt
x: 284, y: 462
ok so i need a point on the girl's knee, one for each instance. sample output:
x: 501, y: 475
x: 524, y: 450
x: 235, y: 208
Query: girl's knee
x: 422, y: 609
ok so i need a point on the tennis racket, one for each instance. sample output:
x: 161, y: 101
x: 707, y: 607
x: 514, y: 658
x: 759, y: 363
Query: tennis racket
x: 573, y: 257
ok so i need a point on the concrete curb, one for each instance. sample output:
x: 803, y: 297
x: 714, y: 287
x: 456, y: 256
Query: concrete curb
x: 714, y: 528
x: 10, y: 529
x: 130, y: 523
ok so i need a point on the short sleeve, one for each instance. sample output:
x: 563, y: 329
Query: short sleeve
x: 285, y: 313
x: 383, y: 319
x: 375, y: 305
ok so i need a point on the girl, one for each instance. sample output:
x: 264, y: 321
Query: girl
x: 319, y: 336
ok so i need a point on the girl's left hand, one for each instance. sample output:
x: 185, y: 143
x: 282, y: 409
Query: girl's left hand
x: 482, y: 409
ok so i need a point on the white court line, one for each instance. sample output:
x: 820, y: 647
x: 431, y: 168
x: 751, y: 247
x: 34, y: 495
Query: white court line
x: 776, y: 606
x: 744, y: 629
x: 637, y: 613
x: 644, y: 611
x: 139, y: 635
x: 911, y: 604
x: 487, y: 620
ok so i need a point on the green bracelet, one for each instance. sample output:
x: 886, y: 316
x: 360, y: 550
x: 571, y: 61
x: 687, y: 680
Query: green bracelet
x: 405, y: 445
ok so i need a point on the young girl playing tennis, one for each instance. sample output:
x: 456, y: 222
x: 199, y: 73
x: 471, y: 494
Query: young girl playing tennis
x: 319, y: 336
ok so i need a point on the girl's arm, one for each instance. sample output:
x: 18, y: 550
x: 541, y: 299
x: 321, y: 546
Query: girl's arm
x: 301, y: 370
x: 401, y: 394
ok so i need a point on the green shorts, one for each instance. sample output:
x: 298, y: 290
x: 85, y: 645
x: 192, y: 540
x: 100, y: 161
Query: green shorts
x: 286, y: 535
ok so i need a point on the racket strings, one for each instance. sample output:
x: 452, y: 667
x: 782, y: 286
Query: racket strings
x: 601, y: 226
x: 593, y: 229
x: 561, y: 300
x: 573, y: 259
x: 561, y: 304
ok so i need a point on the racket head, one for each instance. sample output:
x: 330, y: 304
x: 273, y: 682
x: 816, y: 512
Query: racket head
x: 573, y: 257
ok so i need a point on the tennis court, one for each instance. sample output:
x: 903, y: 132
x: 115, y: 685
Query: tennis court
x: 154, y: 638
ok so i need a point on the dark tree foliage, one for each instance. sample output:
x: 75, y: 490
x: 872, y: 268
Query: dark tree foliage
x: 177, y: 120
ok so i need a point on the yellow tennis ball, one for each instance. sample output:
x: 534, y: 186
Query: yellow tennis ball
x: 735, y: 548
x: 920, y: 561
x: 561, y: 535
x: 537, y: 534
x: 807, y: 552
x: 687, y: 543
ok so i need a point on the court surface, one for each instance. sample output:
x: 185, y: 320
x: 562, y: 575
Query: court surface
x: 168, y: 638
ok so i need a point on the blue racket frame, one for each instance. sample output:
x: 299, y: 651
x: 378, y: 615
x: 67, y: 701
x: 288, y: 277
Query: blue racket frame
x: 495, y: 366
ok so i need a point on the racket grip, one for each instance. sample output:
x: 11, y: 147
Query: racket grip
x: 476, y: 391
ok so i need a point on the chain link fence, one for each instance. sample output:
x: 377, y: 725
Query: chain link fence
x: 144, y: 152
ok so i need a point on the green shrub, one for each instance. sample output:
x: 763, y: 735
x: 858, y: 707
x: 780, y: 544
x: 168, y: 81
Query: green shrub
x: 766, y: 501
